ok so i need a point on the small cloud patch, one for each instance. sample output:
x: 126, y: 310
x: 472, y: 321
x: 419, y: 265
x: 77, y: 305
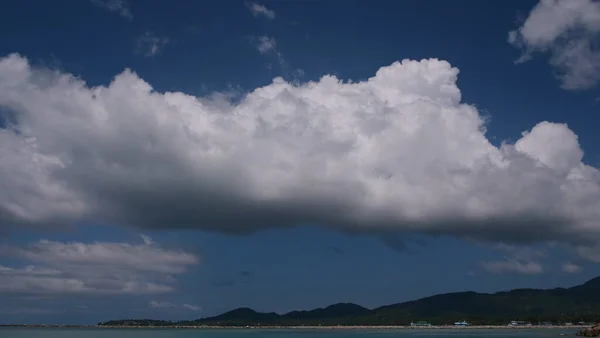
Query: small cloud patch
x: 571, y: 268
x: 260, y: 10
x: 150, y: 44
x: 117, y: 6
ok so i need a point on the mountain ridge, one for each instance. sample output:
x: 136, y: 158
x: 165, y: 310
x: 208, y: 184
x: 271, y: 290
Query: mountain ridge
x: 573, y: 304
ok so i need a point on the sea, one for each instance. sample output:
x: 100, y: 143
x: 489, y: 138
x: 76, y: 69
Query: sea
x: 284, y: 333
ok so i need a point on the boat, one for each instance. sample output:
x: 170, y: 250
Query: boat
x: 461, y: 323
x: 518, y: 323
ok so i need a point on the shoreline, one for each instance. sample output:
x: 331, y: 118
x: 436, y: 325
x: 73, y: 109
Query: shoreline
x: 347, y: 327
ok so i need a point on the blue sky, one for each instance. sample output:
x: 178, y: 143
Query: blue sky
x: 249, y: 176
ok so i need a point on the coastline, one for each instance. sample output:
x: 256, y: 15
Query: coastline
x: 348, y: 327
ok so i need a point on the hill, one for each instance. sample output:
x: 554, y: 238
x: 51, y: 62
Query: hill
x: 559, y: 305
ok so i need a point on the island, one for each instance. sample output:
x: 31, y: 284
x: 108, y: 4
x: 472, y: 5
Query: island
x: 575, y: 306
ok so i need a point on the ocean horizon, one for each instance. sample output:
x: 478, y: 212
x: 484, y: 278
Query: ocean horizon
x: 12, y: 332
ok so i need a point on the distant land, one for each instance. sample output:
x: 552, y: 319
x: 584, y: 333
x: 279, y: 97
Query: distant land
x: 578, y: 305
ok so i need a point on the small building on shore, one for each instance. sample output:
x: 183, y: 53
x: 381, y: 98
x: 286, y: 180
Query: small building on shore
x: 420, y: 323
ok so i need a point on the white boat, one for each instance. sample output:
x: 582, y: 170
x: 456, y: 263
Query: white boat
x: 518, y: 323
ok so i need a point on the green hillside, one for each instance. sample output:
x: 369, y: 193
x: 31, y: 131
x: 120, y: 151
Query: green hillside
x: 560, y: 305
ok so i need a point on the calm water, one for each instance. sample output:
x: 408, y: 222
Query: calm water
x: 254, y: 333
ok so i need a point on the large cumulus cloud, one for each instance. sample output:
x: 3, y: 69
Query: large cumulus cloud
x: 399, y: 151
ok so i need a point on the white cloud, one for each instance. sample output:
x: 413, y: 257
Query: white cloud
x: 523, y: 260
x: 167, y: 305
x: 118, y: 6
x: 147, y: 240
x: 95, y: 268
x: 266, y: 45
x: 589, y: 253
x: 191, y: 307
x: 258, y: 10
x: 569, y: 30
x: 398, y: 151
x: 149, y: 44
x: 571, y: 268
x: 513, y: 265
